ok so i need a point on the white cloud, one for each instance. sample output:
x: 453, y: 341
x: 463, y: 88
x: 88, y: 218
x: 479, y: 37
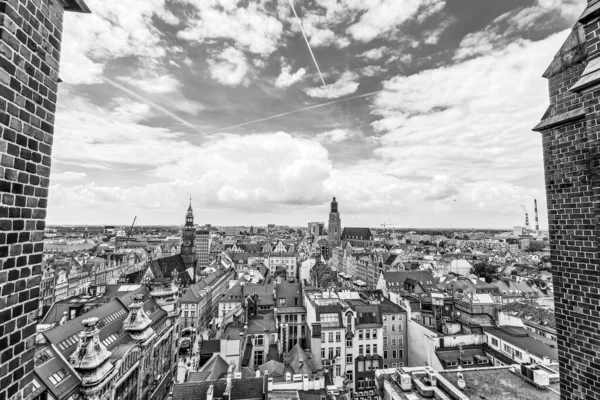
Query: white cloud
x: 287, y: 79
x: 231, y: 69
x: 373, y: 70
x: 114, y: 29
x: 189, y: 106
x: 153, y: 84
x: 384, y: 16
x: 543, y: 14
x: 375, y: 54
x: 251, y: 28
x: 346, y: 84
x: 67, y: 176
x: 335, y: 136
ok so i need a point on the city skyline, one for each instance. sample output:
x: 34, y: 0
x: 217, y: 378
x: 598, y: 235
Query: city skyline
x: 427, y: 149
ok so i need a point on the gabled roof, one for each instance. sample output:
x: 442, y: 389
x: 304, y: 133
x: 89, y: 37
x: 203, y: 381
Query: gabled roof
x: 167, y: 267
x: 217, y: 368
x: 396, y: 279
x: 272, y: 368
x: 357, y: 234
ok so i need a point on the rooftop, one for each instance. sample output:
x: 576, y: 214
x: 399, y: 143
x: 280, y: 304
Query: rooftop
x: 498, y: 384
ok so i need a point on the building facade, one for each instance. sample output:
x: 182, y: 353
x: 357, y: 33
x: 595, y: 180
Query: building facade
x: 202, y: 249
x: 571, y: 148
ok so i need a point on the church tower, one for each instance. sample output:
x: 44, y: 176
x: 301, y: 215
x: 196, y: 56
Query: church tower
x: 188, y: 240
x: 335, y: 225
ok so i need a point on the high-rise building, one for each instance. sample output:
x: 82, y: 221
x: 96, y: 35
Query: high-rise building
x: 335, y: 225
x: 202, y: 248
x: 188, y: 240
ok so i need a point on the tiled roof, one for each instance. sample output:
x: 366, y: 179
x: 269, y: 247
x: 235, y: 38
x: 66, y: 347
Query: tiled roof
x: 357, y: 234
x: 167, y: 266
x: 242, y: 389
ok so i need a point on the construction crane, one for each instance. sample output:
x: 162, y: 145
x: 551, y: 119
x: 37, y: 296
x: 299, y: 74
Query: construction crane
x: 130, y: 231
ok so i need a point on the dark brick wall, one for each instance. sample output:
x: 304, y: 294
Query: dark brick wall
x: 571, y: 154
x: 30, y: 35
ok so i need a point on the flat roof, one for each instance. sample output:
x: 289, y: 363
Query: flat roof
x: 535, y: 344
x: 498, y: 384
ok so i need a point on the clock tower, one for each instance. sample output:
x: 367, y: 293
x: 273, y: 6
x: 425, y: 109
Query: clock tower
x: 188, y: 241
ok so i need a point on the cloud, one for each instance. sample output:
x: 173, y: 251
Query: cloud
x: 384, y: 16
x: 286, y: 78
x: 113, y: 30
x: 335, y: 136
x: 153, y: 84
x: 373, y: 70
x: 374, y: 54
x: 250, y: 28
x: 231, y: 69
x: 438, y: 125
x: 346, y: 84
x: 67, y: 176
x: 509, y: 27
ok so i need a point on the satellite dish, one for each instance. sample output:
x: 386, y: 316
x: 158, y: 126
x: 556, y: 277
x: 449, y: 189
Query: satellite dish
x: 461, y: 384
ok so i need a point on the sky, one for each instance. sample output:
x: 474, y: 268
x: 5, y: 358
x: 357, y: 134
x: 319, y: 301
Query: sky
x: 418, y: 115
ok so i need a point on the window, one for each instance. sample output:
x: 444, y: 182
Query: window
x: 360, y: 349
x: 258, y: 357
x: 518, y: 354
x: 385, y: 365
x: 367, y: 334
x: 400, y: 353
x: 394, y: 365
x: 368, y: 349
x: 508, y: 349
x: 349, y: 375
x: 330, y: 337
x: 322, y: 353
x: 374, y: 349
x: 385, y: 354
x: 384, y: 318
x: 467, y: 362
x: 360, y: 334
x: 393, y: 340
x: 338, y: 370
x: 393, y: 328
x: 361, y: 366
x: 394, y: 354
x: 58, y: 376
x: 374, y: 333
x: 338, y: 337
x: 400, y: 316
x: 338, y: 351
x: 348, y: 342
x: 385, y: 341
x: 330, y: 319
x: 494, y: 342
x: 400, y: 340
x: 331, y: 353
x: 385, y: 328
x: 393, y: 317
x: 259, y: 340
x: 348, y: 358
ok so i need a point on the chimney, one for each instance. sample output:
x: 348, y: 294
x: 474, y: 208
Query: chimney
x: 537, y: 225
x: 227, y: 393
x: 64, y: 318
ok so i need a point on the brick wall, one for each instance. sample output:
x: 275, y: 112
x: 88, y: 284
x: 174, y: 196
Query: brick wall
x: 571, y: 153
x: 30, y: 36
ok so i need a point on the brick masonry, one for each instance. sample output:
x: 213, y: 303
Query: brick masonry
x: 30, y: 40
x: 571, y: 148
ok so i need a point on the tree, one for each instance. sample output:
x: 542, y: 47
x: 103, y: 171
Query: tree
x: 535, y: 246
x: 485, y: 270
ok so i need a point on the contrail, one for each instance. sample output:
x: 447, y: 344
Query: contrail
x: 151, y: 104
x: 297, y: 111
x: 308, y: 45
